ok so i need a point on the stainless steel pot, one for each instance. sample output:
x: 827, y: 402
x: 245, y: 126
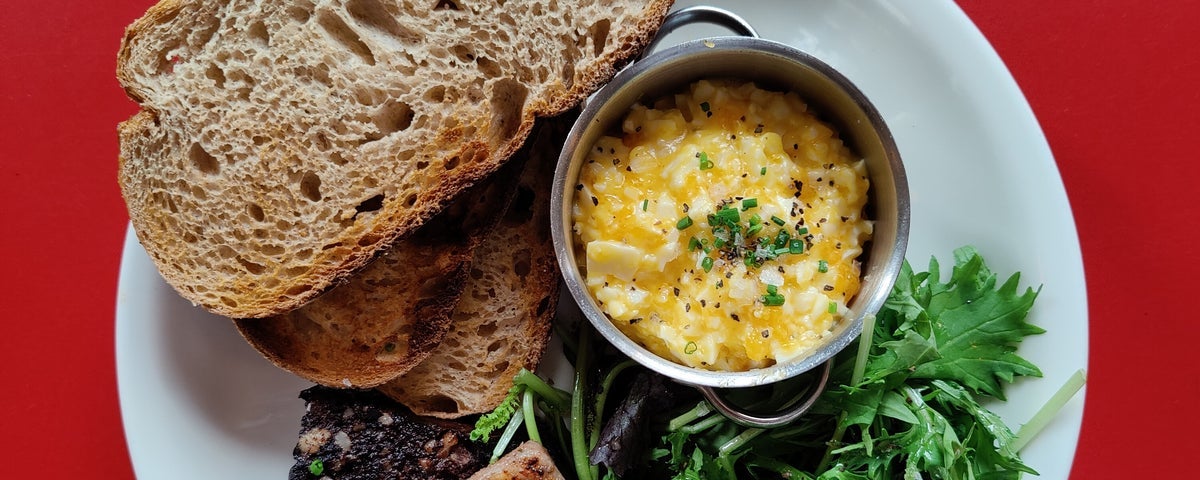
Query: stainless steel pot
x: 775, y: 66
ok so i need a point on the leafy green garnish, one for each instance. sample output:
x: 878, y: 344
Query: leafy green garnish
x: 904, y: 404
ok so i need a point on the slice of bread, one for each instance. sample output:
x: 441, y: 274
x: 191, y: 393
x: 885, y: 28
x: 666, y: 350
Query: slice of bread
x: 284, y: 144
x: 392, y: 314
x: 529, y: 461
x: 502, y: 321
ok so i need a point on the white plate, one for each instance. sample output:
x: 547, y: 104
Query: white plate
x: 196, y: 399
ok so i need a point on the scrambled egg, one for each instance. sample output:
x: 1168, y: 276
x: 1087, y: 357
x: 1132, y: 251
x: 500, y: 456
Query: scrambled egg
x: 722, y: 229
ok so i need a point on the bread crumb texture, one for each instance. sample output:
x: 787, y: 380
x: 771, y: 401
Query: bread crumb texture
x: 282, y: 145
x: 502, y: 321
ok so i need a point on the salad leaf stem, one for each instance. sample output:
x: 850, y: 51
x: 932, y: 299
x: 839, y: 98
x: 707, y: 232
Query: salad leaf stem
x: 702, y: 425
x: 527, y: 411
x: 557, y: 398
x: 860, y: 368
x: 514, y: 424
x: 701, y: 409
x: 1043, y: 416
x: 738, y: 441
x: 864, y: 350
x: 579, y: 417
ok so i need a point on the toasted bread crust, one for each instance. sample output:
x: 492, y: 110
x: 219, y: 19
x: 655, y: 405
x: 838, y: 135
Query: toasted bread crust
x: 502, y: 323
x: 394, y: 313
x: 226, y: 152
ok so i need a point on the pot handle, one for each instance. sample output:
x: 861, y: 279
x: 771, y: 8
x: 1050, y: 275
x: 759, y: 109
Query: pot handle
x: 700, y: 14
x: 769, y: 420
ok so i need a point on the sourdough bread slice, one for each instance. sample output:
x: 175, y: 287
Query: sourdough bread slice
x: 392, y: 314
x: 502, y: 322
x: 283, y: 144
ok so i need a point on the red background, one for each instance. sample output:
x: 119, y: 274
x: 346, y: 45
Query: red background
x: 1115, y: 86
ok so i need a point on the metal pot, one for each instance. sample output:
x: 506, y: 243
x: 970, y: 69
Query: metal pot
x: 774, y: 66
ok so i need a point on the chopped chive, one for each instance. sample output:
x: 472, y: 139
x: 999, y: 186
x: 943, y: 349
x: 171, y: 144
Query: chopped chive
x: 704, y: 245
x: 705, y: 163
x: 719, y: 242
x: 755, y: 220
x: 772, y: 298
x: 707, y: 263
x: 749, y: 260
x: 781, y: 239
x: 822, y: 266
x: 762, y: 171
x: 777, y: 220
x: 802, y: 231
x: 749, y: 203
x: 317, y: 467
x: 727, y: 216
x: 645, y: 203
x: 832, y: 307
x: 796, y: 247
x: 693, y: 244
x: 684, y: 222
x: 754, y: 228
x: 690, y: 348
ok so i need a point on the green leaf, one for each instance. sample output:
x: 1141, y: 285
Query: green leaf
x: 497, y: 418
x: 977, y: 327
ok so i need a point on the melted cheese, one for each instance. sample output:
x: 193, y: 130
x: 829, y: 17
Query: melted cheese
x: 634, y: 189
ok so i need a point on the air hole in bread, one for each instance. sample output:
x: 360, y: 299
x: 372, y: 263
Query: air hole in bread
x: 298, y: 289
x: 489, y: 68
x: 253, y: 268
x: 599, y: 33
x: 436, y: 94
x: 452, y: 163
x: 373, y: 15
x: 496, y: 345
x: 500, y: 367
x: 270, y: 249
x: 203, y: 161
x: 421, y: 165
x: 224, y: 251
x: 341, y: 33
x: 486, y: 330
x: 476, y: 274
x: 521, y: 267
x: 368, y: 240
x: 310, y: 186
x: 231, y: 303
x: 256, y: 212
x: 508, y: 104
x: 463, y: 53
x: 393, y: 116
x: 447, y: 5
x: 542, y: 306
x: 369, y: 205
x: 214, y: 73
x: 258, y: 33
x: 189, y: 238
x: 300, y: 13
x: 410, y: 200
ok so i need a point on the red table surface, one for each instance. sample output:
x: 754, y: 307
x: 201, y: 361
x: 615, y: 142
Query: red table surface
x: 1115, y: 86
